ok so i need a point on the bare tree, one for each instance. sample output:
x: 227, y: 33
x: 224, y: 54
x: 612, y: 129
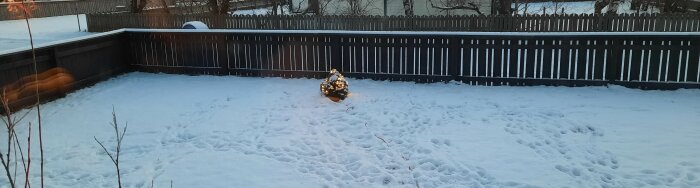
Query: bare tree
x: 218, y: 6
x: 306, y: 10
x: 213, y: 6
x: 611, y: 4
x: 676, y: 6
x: 447, y: 5
x: 192, y: 6
x: 275, y: 9
x: 119, y: 138
x: 314, y: 6
x: 224, y: 6
x: 137, y: 6
x: 408, y: 7
x: 357, y: 7
x: 521, y: 6
x: 310, y: 8
x: 504, y: 7
x: 165, y: 6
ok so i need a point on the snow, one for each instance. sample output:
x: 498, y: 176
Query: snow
x: 195, y: 25
x: 226, y: 131
x: 579, y: 7
x: 283, y: 10
x: 63, y: 41
x: 13, y: 33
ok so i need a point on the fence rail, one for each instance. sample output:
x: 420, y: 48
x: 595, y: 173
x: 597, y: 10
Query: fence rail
x: 499, y: 23
x: 59, y: 8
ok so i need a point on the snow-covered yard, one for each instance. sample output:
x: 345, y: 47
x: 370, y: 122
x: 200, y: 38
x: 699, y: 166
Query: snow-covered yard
x: 208, y: 131
x: 13, y: 33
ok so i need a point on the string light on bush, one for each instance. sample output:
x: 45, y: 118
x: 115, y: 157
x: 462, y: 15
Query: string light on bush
x: 334, y: 86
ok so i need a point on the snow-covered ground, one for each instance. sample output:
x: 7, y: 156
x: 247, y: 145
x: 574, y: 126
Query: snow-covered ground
x: 208, y: 131
x: 283, y: 10
x: 13, y: 33
x: 580, y: 7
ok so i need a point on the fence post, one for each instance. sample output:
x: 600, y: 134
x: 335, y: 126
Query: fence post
x: 612, y: 71
x: 222, y: 49
x: 336, y: 52
x: 454, y: 60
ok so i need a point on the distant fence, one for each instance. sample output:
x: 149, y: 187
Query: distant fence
x: 499, y: 23
x: 64, y: 7
x: 638, y: 60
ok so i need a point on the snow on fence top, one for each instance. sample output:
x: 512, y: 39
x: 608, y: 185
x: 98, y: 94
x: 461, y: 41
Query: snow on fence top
x: 417, y: 33
x: 494, y: 23
x: 64, y: 41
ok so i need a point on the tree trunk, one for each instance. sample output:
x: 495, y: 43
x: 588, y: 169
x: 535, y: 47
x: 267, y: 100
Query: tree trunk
x: 408, y: 7
x: 165, y: 6
x: 142, y: 5
x: 599, y: 5
x: 134, y: 6
x: 225, y: 6
x: 613, y: 6
x: 313, y: 6
x: 213, y: 6
x: 504, y: 7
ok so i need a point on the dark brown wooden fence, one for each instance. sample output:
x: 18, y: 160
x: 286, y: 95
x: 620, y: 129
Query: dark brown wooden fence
x: 60, y: 8
x: 533, y: 23
x: 638, y: 60
x: 88, y: 61
x: 644, y: 60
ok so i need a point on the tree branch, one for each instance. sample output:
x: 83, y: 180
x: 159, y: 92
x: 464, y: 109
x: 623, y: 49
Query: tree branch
x: 106, y: 151
x: 468, y: 6
x: 119, y: 138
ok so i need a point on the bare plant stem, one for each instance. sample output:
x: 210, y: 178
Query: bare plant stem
x: 21, y: 154
x: 29, y: 153
x: 7, y: 170
x: 120, y: 137
x: 10, y: 124
x: 77, y: 15
x: 15, y: 147
x: 38, y: 100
